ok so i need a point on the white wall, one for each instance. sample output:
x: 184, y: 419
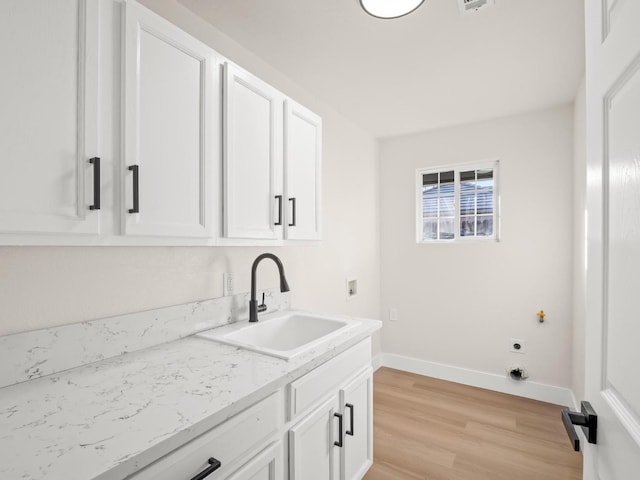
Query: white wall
x: 460, y: 303
x: 45, y: 286
x: 579, y: 240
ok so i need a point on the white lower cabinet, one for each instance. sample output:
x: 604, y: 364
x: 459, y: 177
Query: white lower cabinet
x: 267, y: 465
x: 314, y: 444
x: 233, y: 444
x: 327, y: 434
x: 357, y: 401
x: 333, y: 439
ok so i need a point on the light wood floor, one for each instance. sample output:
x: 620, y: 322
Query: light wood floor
x: 429, y: 429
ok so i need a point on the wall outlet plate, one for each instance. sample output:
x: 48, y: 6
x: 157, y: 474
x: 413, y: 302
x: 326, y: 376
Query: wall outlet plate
x: 227, y: 284
x: 352, y: 288
x: 517, y: 346
x: 393, y: 314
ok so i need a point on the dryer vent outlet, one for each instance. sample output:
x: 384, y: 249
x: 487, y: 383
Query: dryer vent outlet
x: 518, y: 374
x: 467, y: 7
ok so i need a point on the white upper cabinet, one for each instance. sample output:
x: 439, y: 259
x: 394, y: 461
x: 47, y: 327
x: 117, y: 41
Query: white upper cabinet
x: 48, y: 119
x: 192, y: 154
x: 168, y: 126
x: 252, y: 157
x: 303, y: 167
x: 272, y: 162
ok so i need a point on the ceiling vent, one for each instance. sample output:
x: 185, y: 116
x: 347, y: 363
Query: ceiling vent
x: 467, y: 7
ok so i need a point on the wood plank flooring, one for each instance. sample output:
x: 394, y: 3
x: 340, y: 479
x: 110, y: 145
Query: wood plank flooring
x: 429, y: 429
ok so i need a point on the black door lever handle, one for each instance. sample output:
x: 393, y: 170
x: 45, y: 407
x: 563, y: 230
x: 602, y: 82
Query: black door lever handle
x: 586, y: 418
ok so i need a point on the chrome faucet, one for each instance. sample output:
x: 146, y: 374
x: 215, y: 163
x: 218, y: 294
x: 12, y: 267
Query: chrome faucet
x: 254, y: 308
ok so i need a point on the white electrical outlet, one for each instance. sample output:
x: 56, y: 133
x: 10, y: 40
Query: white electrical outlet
x: 227, y: 284
x: 352, y: 288
x: 393, y: 314
x: 517, y: 346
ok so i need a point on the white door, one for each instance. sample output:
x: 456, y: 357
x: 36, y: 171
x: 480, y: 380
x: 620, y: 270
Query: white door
x: 356, y: 400
x: 168, y: 102
x: 613, y: 203
x: 303, y: 167
x: 252, y: 168
x: 313, y: 453
x: 48, y: 118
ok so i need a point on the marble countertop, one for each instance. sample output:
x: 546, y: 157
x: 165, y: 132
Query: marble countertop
x: 108, y: 419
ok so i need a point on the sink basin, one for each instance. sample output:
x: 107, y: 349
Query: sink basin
x: 282, y: 334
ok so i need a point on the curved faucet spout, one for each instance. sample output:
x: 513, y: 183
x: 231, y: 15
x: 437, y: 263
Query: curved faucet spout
x: 284, y: 286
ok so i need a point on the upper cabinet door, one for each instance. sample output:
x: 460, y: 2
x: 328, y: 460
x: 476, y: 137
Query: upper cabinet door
x: 303, y: 167
x: 168, y: 128
x: 252, y: 152
x: 48, y: 119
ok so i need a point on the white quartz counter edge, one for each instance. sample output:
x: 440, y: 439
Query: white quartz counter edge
x: 106, y: 420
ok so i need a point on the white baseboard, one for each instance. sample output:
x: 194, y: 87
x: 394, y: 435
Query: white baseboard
x: 575, y: 405
x: 475, y: 378
x: 376, y: 362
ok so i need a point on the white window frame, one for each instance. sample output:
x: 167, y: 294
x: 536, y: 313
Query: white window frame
x: 493, y: 164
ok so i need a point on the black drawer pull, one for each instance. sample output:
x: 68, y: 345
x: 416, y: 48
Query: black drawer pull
x: 95, y: 161
x: 339, y: 442
x: 279, y: 198
x: 136, y: 189
x: 213, y: 466
x: 293, y: 211
x: 350, y: 407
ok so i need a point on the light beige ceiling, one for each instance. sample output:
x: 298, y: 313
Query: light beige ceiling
x: 430, y: 69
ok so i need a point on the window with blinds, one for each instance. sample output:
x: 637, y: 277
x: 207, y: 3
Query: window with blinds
x: 438, y: 205
x: 457, y: 203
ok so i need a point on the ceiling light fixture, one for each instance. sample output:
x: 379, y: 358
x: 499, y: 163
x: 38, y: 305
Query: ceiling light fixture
x: 390, y: 8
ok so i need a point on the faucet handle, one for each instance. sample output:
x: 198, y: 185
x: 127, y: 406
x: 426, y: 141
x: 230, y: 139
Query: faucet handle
x: 262, y: 307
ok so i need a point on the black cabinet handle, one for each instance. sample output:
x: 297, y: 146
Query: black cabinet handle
x: 95, y: 161
x: 586, y: 418
x: 293, y: 211
x: 351, y: 409
x: 279, y: 198
x: 136, y: 189
x: 213, y: 466
x: 339, y: 442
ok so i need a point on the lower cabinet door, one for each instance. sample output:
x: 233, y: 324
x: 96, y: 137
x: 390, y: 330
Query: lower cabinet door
x: 356, y: 401
x: 267, y: 465
x: 314, y: 444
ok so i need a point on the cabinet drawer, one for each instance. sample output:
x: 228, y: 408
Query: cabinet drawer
x: 230, y: 442
x: 326, y: 379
